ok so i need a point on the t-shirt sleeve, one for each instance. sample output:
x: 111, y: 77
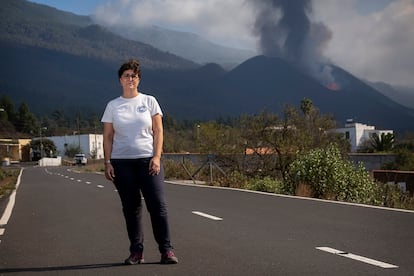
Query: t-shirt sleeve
x: 107, y: 115
x: 155, y: 107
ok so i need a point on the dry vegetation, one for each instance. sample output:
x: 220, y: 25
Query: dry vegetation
x: 8, y: 179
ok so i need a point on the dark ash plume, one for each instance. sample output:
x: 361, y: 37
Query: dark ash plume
x: 282, y: 26
x: 285, y: 30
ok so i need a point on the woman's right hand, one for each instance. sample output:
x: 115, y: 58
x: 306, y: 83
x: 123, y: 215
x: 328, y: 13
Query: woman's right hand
x: 109, y: 172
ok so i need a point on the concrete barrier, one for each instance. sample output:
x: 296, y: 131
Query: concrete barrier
x: 50, y: 161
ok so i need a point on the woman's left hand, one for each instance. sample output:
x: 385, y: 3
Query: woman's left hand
x: 155, y: 166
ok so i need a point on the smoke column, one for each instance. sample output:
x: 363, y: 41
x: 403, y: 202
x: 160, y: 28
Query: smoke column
x: 286, y: 31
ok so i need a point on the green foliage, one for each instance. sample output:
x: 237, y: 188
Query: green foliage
x: 26, y: 121
x: 382, y: 143
x: 71, y: 150
x: 179, y: 136
x: 404, y: 161
x: 218, y: 138
x: 405, y: 141
x: 378, y: 143
x: 276, y: 141
x: 43, y: 148
x: 331, y: 176
x: 8, y: 112
x: 22, y: 121
x: 266, y: 184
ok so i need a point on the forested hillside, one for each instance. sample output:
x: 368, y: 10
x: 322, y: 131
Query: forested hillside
x: 27, y: 24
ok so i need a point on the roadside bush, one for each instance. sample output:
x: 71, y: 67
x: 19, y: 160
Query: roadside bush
x: 404, y: 161
x: 390, y: 195
x: 176, y: 170
x: 233, y: 180
x: 266, y: 184
x: 330, y: 176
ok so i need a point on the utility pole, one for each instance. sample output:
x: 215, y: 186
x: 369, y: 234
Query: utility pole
x: 96, y: 145
x: 78, y: 132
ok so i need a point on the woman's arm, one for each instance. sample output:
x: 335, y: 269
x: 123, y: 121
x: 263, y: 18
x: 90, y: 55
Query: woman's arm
x: 108, y: 138
x: 158, y: 132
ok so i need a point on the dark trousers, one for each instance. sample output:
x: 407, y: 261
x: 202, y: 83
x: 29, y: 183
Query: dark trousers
x: 131, y: 179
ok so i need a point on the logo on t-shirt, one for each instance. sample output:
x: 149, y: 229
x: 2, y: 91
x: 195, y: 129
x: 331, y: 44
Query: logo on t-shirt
x: 141, y: 108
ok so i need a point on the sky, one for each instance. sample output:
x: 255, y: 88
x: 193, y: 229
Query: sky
x: 372, y: 39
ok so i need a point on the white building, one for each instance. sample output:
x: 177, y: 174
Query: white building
x: 88, y: 143
x: 358, y: 133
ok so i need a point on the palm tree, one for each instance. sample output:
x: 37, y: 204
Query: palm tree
x: 382, y: 143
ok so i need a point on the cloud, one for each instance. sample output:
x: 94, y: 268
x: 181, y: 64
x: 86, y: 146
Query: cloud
x: 376, y: 44
x: 227, y: 22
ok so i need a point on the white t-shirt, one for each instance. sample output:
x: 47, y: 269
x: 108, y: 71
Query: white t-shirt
x: 132, y: 122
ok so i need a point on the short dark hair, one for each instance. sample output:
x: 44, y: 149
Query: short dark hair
x: 132, y: 64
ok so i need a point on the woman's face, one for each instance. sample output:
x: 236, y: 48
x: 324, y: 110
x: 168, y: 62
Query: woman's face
x: 129, y: 80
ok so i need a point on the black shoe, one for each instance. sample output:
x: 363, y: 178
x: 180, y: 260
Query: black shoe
x: 169, y: 258
x: 135, y: 258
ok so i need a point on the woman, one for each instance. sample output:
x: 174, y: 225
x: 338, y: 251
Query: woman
x: 133, y: 139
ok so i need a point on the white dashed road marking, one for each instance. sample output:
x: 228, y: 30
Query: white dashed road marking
x: 100, y: 186
x: 206, y: 215
x: 356, y: 257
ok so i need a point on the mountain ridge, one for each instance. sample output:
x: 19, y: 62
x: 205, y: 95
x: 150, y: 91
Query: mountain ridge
x: 185, y: 44
x: 270, y: 83
x: 27, y: 24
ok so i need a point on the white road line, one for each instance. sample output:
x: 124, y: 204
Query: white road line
x: 206, y: 215
x: 79, y: 180
x: 356, y: 257
x: 99, y: 186
x: 1, y: 231
x: 88, y: 182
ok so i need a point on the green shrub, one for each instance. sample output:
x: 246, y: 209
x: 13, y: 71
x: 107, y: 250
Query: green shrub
x: 330, y: 176
x: 266, y: 184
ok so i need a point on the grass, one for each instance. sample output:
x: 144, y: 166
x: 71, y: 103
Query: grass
x: 8, y: 180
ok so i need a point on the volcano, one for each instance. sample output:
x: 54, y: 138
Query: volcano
x: 271, y: 83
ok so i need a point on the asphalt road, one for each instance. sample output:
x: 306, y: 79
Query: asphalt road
x: 67, y: 223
